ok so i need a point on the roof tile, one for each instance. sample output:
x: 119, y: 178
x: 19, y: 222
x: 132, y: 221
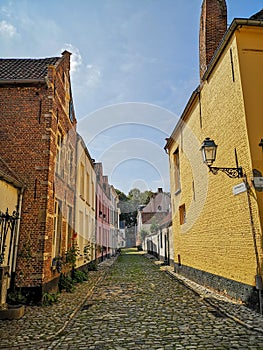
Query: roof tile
x: 23, y: 68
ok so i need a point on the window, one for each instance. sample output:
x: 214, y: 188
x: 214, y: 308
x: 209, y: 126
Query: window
x: 57, y: 228
x: 81, y: 181
x: 70, y: 164
x: 182, y: 214
x: 81, y: 230
x: 69, y: 226
x: 88, y: 188
x: 93, y: 195
x: 59, y: 153
x: 177, y: 171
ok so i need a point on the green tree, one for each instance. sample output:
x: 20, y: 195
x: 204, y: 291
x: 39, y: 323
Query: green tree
x: 154, y: 225
x: 143, y: 234
x: 128, y: 204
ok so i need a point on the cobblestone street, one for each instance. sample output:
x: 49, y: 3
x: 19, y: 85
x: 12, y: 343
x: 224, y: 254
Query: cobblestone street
x: 137, y: 306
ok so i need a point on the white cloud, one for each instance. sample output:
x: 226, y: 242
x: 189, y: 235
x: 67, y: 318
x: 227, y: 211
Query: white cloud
x: 6, y: 10
x: 94, y: 75
x: 7, y: 29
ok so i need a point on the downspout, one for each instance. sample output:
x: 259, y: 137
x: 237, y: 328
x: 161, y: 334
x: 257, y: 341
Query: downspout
x: 258, y: 277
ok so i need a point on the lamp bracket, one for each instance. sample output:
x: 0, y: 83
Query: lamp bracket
x: 230, y: 172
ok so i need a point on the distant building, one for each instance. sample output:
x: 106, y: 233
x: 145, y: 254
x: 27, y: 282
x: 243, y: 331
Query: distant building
x: 114, y: 221
x: 153, y: 213
x: 122, y: 235
x: 107, y: 216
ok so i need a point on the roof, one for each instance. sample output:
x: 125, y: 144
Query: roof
x: 8, y: 175
x: 25, y: 68
x: 160, y: 202
x: 149, y: 218
x: 166, y: 221
x: 258, y: 15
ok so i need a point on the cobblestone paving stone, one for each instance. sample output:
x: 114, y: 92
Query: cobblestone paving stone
x: 41, y: 323
x: 135, y: 306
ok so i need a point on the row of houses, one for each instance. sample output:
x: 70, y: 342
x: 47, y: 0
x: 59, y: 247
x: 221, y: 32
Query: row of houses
x: 216, y: 163
x: 55, y: 200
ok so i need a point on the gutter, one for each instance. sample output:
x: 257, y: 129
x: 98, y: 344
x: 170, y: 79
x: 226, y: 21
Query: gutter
x: 10, y: 180
x: 190, y: 102
x: 21, y: 81
x: 237, y: 22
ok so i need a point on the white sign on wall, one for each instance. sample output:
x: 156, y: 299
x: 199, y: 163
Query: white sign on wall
x: 239, y: 188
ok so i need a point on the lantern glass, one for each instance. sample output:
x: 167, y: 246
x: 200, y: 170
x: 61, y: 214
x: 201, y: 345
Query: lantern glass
x: 208, y: 149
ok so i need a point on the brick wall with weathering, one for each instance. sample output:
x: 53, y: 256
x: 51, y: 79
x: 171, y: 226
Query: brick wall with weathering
x: 213, y: 25
x: 32, y: 114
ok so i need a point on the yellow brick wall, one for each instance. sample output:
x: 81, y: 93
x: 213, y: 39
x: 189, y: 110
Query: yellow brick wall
x: 217, y: 236
x: 9, y: 197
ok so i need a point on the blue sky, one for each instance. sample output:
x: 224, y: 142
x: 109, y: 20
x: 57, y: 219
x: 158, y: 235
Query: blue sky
x: 134, y: 67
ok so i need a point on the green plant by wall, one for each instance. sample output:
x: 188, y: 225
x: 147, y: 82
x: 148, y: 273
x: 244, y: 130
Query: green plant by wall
x: 66, y: 283
x: 71, y: 255
x: 79, y: 276
x: 49, y: 298
x: 16, y: 297
x: 87, y: 252
x: 93, y: 266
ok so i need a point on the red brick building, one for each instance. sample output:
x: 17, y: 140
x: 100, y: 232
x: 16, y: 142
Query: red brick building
x: 38, y: 141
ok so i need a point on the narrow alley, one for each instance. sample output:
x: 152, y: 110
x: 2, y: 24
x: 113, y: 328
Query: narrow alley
x: 135, y: 305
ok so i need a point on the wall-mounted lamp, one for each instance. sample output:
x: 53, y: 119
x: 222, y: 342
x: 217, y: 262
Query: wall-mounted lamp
x: 208, y: 149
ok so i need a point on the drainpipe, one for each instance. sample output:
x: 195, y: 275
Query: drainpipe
x: 258, y: 277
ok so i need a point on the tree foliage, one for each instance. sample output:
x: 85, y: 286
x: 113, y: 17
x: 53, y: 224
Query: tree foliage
x: 128, y: 204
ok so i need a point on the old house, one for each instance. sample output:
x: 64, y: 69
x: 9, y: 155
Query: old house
x: 216, y: 194
x: 149, y: 216
x: 152, y: 213
x: 39, y: 127
x: 85, y: 215
x: 114, y: 221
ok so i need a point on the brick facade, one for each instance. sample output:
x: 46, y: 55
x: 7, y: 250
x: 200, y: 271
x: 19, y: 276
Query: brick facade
x: 34, y: 109
x: 213, y: 25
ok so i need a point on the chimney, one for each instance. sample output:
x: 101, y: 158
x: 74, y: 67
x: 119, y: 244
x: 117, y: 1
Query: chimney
x: 213, y: 25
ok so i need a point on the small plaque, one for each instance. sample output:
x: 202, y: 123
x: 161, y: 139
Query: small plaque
x: 239, y: 188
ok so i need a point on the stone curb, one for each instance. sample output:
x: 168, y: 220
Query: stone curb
x: 239, y: 313
x: 209, y: 300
